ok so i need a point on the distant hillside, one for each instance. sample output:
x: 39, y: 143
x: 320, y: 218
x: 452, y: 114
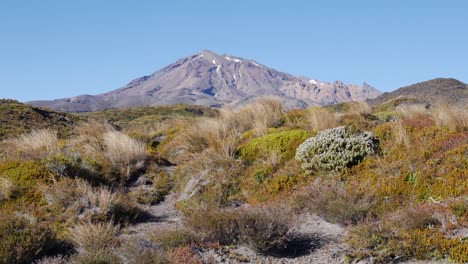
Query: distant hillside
x: 442, y: 90
x: 149, y: 114
x: 214, y: 80
x: 17, y: 118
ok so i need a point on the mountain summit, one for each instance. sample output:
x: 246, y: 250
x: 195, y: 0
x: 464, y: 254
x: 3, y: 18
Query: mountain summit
x: 209, y: 79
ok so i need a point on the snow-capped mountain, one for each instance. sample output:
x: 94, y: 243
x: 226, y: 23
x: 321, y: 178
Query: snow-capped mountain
x: 209, y: 79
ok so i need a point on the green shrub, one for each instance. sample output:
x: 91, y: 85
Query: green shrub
x: 25, y: 174
x: 280, y: 143
x: 24, y: 177
x: 22, y: 241
x: 335, y: 149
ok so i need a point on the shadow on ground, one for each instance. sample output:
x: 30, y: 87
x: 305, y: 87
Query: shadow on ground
x: 298, y: 246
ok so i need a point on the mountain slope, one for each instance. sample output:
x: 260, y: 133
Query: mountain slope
x: 209, y: 79
x: 441, y: 90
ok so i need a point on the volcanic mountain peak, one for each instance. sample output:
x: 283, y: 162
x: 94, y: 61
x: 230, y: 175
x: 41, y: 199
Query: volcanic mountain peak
x: 206, y: 78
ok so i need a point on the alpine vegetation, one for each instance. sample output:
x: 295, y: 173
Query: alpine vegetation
x: 335, y: 149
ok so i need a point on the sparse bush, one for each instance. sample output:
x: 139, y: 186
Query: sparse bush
x: 133, y: 253
x: 173, y: 238
x: 335, y: 204
x: 185, y: 255
x: 383, y: 242
x: 262, y: 229
x: 77, y: 199
x: 336, y: 149
x: 22, y: 241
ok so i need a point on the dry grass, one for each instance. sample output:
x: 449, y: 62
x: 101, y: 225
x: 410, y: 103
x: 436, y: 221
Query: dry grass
x: 91, y: 237
x: 125, y: 153
x: 8, y: 189
x: 266, y: 112
x: 224, y: 132
x: 80, y: 199
x: 334, y: 203
x: 92, y: 129
x: 411, y: 111
x: 262, y: 229
x: 320, y: 119
x: 360, y: 108
x: 35, y: 145
x: 52, y: 260
x: 453, y: 118
x: 399, y: 132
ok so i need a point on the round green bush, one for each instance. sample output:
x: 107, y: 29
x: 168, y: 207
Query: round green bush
x: 335, y: 149
x: 281, y: 143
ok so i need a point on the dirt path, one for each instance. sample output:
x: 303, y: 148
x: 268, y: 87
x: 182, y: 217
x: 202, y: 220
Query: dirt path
x: 314, y: 240
x: 163, y: 216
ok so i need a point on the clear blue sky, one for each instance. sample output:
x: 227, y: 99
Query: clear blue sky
x: 54, y: 49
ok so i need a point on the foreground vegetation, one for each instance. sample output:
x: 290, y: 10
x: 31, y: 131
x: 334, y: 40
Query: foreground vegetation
x: 395, y: 176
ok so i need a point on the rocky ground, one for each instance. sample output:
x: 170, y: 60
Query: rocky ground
x: 312, y: 240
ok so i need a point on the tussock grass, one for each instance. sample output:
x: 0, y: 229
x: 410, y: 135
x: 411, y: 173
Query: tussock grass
x: 125, y: 154
x: 224, y: 132
x: 80, y: 201
x: 411, y: 111
x: 400, y: 135
x: 451, y: 117
x: 360, y: 108
x: 94, y: 242
x: 37, y: 144
x: 8, y: 189
x: 89, y: 237
x: 320, y: 119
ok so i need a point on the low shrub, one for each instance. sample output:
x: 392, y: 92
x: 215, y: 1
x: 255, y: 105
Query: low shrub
x: 336, y: 149
x: 283, y: 144
x: 147, y: 195
x: 134, y: 253
x: 185, y: 255
x: 262, y: 229
x: 409, y: 233
x: 335, y: 203
x: 173, y: 238
x: 21, y: 179
x: 23, y: 241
